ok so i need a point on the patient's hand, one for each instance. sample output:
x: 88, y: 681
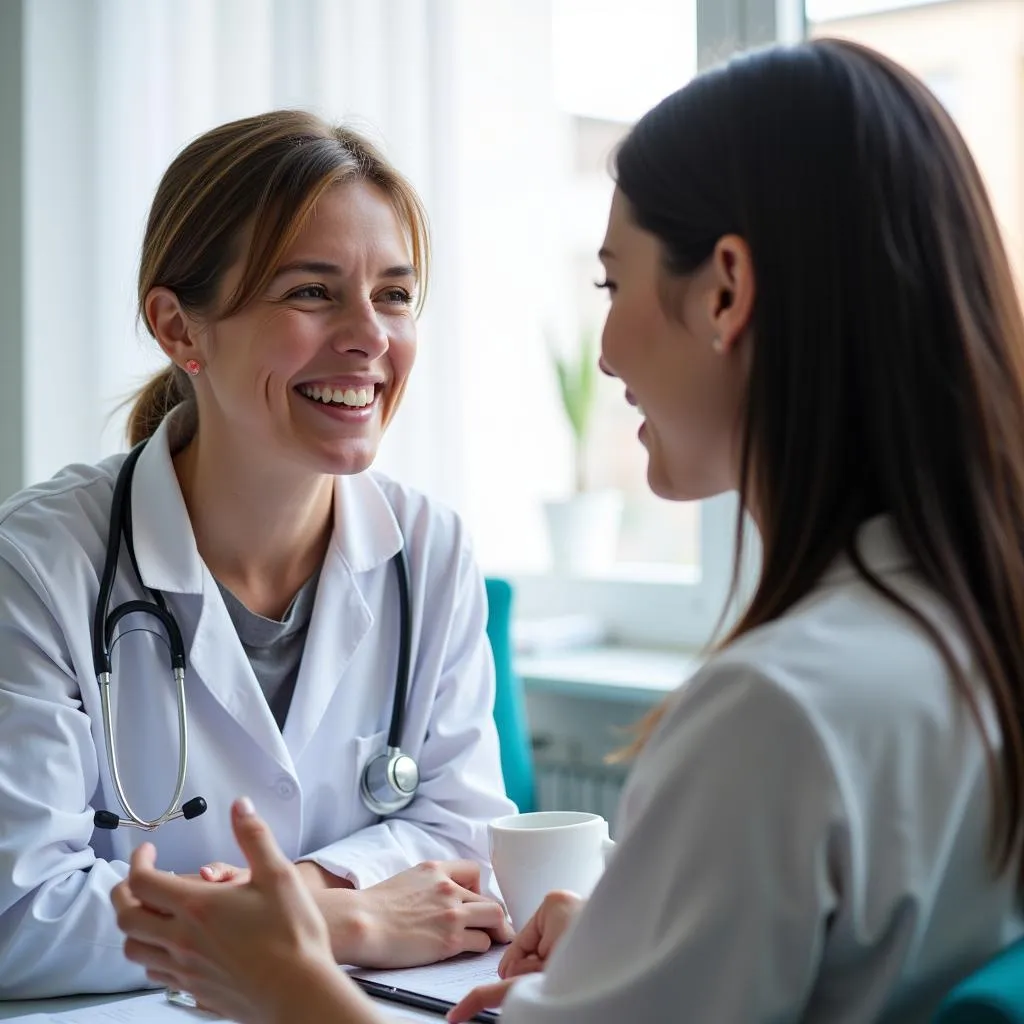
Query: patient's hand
x: 531, y: 948
x: 528, y: 953
x: 253, y: 952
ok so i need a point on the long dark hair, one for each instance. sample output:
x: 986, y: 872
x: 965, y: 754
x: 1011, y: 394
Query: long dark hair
x: 887, y: 370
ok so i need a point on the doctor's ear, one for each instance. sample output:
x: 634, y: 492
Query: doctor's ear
x: 175, y: 329
x: 732, y: 292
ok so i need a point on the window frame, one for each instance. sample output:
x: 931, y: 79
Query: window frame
x: 641, y: 610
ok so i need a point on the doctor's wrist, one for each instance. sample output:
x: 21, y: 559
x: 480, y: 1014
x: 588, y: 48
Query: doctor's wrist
x: 349, y: 923
x: 317, y: 878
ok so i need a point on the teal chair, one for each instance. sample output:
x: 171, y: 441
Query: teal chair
x: 993, y: 994
x: 509, y: 699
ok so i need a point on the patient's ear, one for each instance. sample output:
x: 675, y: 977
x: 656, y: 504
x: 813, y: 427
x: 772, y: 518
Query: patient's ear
x: 731, y: 296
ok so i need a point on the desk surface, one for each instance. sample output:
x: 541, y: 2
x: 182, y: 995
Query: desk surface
x: 633, y: 674
x: 18, y: 1008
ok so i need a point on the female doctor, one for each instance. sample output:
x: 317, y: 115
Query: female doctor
x: 303, y: 594
x: 811, y: 304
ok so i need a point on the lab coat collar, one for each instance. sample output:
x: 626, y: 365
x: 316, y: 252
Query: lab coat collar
x: 165, y: 545
x: 365, y: 531
x: 880, y: 546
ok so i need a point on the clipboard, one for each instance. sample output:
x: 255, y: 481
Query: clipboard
x: 417, y: 1000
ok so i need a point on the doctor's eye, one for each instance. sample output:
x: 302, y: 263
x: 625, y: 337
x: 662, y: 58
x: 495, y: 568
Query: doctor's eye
x: 606, y: 285
x: 308, y: 291
x: 397, y: 296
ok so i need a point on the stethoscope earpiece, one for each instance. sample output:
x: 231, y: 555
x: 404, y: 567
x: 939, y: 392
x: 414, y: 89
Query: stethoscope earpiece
x: 193, y: 808
x: 188, y: 810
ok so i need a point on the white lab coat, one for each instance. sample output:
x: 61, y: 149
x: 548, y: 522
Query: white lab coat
x: 57, y: 927
x: 804, y: 836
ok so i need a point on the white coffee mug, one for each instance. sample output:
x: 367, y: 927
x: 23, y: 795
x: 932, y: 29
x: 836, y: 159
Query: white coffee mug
x: 534, y: 853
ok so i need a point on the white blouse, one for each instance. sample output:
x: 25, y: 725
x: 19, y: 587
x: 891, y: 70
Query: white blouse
x: 804, y: 837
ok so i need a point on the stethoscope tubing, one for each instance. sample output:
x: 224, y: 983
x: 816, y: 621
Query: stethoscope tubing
x: 105, y: 622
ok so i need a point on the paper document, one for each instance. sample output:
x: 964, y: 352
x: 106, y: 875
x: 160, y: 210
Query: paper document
x: 449, y: 980
x: 151, y: 1008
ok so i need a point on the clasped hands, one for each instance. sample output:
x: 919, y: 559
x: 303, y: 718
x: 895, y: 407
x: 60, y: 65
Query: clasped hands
x: 263, y: 947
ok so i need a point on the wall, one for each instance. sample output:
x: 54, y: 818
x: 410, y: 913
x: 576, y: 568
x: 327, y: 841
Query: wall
x: 11, y: 233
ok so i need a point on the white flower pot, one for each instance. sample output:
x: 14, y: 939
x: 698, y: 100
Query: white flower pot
x: 583, y: 532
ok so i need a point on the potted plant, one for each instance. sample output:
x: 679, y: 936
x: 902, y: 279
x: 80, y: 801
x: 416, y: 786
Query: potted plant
x: 583, y: 529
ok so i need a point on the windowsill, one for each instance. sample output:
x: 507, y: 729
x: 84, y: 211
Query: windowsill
x: 637, y: 675
x: 662, y: 574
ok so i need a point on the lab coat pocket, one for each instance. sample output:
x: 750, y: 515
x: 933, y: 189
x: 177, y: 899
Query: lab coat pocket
x: 366, y: 749
x: 331, y: 771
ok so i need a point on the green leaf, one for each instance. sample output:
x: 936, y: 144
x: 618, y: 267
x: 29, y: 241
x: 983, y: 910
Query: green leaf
x: 577, y: 384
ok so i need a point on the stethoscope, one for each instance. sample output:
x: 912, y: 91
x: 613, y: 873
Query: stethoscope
x: 389, y: 779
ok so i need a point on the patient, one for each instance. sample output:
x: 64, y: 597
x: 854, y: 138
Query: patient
x: 812, y: 307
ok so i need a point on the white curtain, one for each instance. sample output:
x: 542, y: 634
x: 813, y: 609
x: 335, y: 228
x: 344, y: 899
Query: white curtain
x: 114, y: 88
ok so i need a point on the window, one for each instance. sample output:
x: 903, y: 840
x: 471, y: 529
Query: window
x: 534, y: 188
x: 603, y: 66
x: 970, y: 53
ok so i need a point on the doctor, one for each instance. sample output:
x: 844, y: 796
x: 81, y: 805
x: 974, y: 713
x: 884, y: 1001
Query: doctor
x: 303, y: 594
x: 811, y: 304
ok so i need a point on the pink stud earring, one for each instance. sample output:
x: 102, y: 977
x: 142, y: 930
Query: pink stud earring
x: 192, y: 367
x: 716, y: 344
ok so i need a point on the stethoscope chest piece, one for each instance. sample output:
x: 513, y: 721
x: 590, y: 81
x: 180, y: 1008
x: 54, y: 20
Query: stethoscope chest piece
x: 389, y: 781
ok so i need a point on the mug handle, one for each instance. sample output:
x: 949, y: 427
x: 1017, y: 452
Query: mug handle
x: 607, y: 845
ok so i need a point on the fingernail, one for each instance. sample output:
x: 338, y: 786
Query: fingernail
x: 244, y: 807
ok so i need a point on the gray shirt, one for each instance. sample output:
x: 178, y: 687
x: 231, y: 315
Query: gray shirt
x: 274, y: 648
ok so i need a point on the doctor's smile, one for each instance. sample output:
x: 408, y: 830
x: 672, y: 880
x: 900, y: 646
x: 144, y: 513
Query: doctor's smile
x: 343, y: 395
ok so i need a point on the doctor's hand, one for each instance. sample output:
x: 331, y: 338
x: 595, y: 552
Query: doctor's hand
x: 253, y: 952
x: 315, y: 877
x: 218, y: 871
x: 424, y: 914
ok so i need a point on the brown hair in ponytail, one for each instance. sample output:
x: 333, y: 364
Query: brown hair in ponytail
x: 161, y: 393
x: 266, y: 172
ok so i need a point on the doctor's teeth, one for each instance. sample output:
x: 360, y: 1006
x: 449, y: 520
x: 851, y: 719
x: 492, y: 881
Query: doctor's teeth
x: 354, y: 397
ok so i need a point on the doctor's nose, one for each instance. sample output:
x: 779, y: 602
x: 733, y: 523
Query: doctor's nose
x: 361, y: 331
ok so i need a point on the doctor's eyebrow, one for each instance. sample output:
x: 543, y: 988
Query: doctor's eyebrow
x: 333, y: 270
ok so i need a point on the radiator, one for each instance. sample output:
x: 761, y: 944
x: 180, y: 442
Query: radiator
x: 566, y: 784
